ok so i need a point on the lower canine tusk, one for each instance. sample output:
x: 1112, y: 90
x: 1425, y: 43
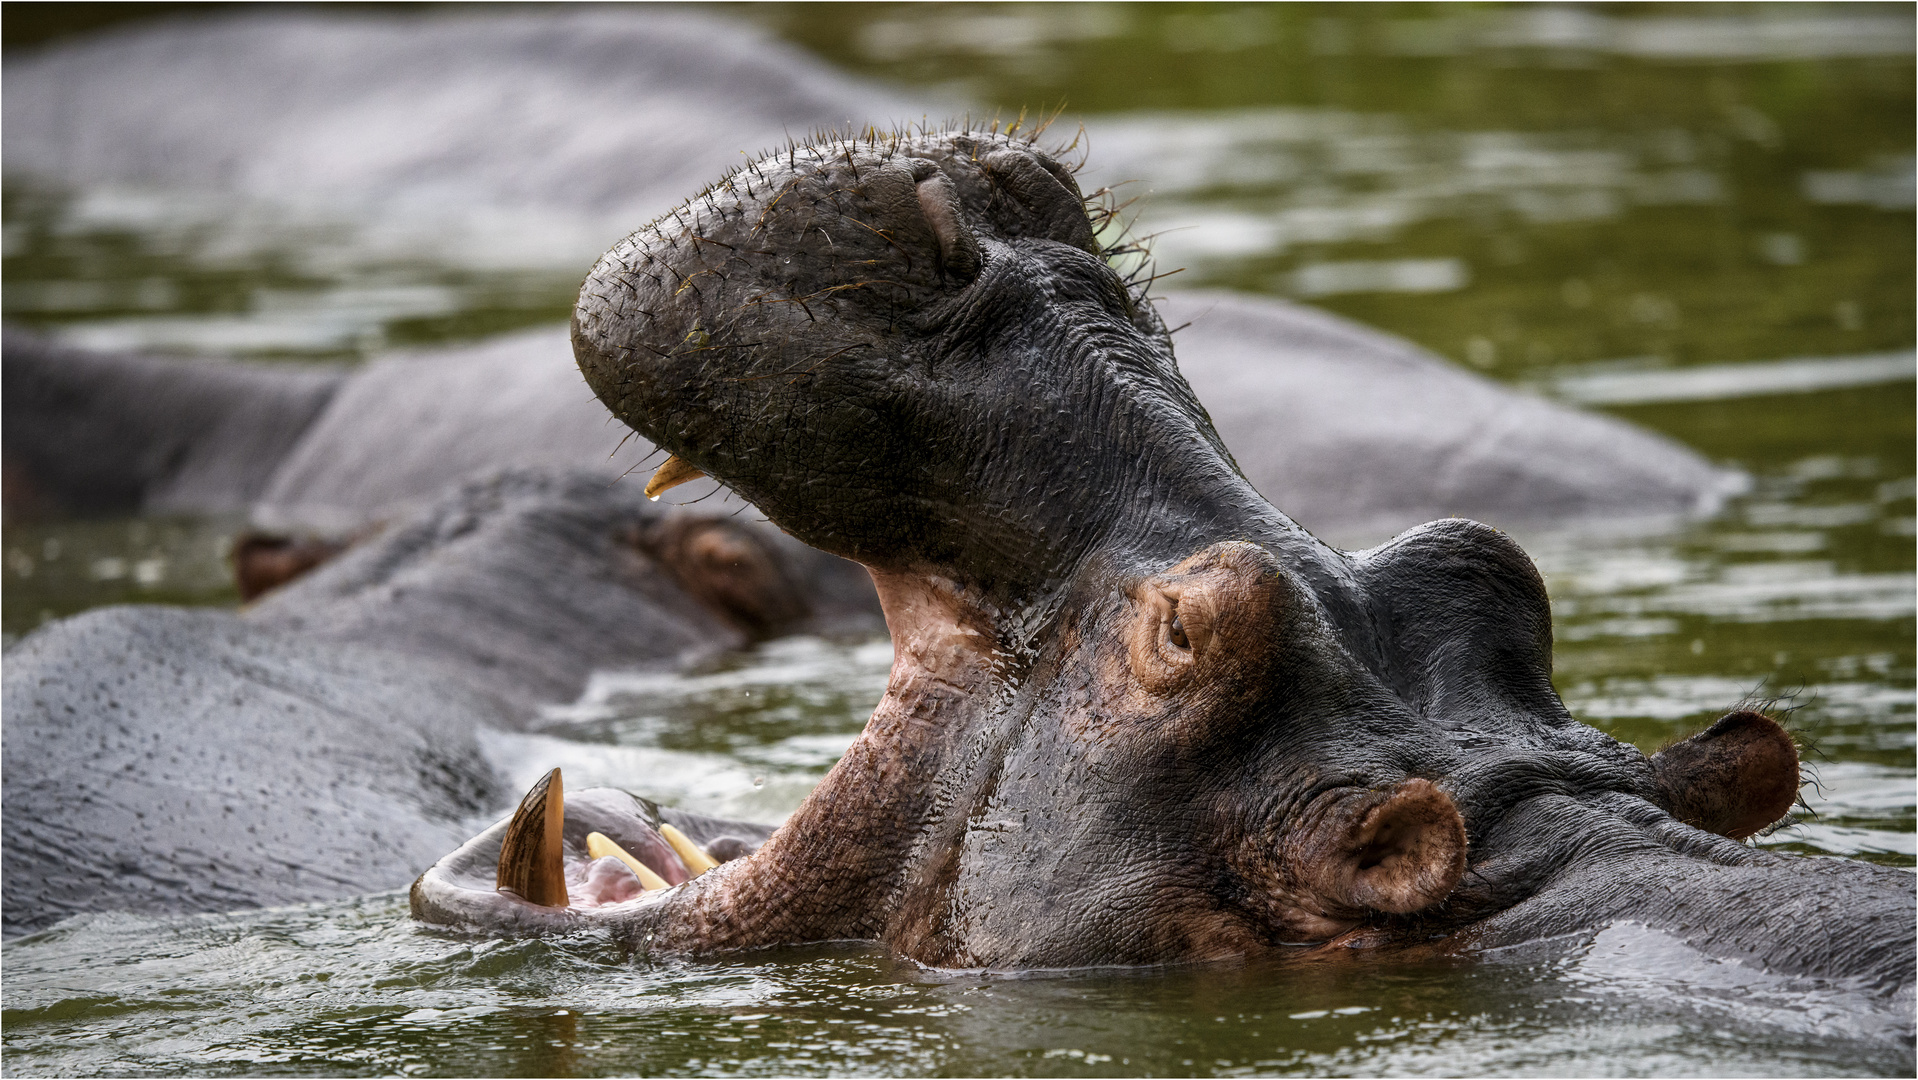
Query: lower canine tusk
x: 530, y: 855
x: 599, y: 845
x: 675, y: 472
x: 696, y: 860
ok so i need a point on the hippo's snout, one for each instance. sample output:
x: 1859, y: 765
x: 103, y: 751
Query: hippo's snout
x: 801, y: 331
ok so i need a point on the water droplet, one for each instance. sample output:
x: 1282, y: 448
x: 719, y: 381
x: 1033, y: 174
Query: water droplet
x: 759, y: 782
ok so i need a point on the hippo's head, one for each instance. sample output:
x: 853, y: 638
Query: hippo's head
x: 1135, y: 714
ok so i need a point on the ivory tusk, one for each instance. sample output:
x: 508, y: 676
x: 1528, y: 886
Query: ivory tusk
x: 675, y: 472
x: 599, y: 845
x: 696, y: 860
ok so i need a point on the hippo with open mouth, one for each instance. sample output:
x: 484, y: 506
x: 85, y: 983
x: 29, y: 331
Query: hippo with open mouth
x: 1136, y: 714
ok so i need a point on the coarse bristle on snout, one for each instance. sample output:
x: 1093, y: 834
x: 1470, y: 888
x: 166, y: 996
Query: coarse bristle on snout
x: 733, y: 193
x: 1104, y: 206
x: 781, y: 332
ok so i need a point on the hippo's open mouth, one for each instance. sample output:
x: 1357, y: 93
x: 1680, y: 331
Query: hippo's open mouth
x: 1136, y: 714
x: 553, y: 861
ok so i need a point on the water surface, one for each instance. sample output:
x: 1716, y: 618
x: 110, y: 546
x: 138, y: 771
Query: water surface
x: 353, y: 988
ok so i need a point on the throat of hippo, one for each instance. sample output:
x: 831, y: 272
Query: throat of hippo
x: 870, y: 842
x: 875, y: 850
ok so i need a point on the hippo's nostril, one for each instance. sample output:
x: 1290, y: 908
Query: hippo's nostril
x: 1049, y: 207
x: 958, y: 250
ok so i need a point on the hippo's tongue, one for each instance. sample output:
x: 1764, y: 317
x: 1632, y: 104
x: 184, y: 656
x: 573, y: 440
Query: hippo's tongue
x: 601, y: 846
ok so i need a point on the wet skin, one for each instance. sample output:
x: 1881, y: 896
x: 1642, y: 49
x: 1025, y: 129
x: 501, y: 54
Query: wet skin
x: 1136, y: 714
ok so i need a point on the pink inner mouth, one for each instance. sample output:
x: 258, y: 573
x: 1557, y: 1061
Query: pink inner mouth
x: 607, y: 880
x: 601, y: 882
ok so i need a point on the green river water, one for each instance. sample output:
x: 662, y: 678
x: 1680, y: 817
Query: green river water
x: 1699, y: 218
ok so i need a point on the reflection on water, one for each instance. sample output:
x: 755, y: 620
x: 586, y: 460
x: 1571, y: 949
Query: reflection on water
x: 746, y: 739
x: 1700, y: 220
x: 199, y: 275
x: 1517, y: 188
x: 54, y: 569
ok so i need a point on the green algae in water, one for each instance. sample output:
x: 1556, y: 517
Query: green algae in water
x: 1517, y: 187
x: 167, y: 273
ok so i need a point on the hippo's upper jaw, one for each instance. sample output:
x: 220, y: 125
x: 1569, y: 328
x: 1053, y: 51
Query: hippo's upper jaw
x: 909, y: 353
x: 1135, y: 714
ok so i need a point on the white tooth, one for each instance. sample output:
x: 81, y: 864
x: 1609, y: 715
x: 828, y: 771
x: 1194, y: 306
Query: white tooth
x: 675, y: 472
x: 696, y: 860
x: 599, y: 845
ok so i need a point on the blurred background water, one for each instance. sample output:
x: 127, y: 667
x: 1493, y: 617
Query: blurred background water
x: 1697, y: 217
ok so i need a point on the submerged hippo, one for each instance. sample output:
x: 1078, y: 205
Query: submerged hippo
x: 331, y: 738
x: 1136, y: 714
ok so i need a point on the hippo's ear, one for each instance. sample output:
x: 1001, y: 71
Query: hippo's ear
x: 1398, y: 851
x: 1734, y: 778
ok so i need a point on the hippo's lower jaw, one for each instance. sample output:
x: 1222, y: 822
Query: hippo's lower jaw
x: 602, y: 858
x: 540, y: 871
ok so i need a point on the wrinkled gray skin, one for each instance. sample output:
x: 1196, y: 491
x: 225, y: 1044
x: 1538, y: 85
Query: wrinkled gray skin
x: 1136, y: 714
x: 432, y: 127
x: 324, y: 742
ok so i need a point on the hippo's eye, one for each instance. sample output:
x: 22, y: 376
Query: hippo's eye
x: 1177, y: 633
